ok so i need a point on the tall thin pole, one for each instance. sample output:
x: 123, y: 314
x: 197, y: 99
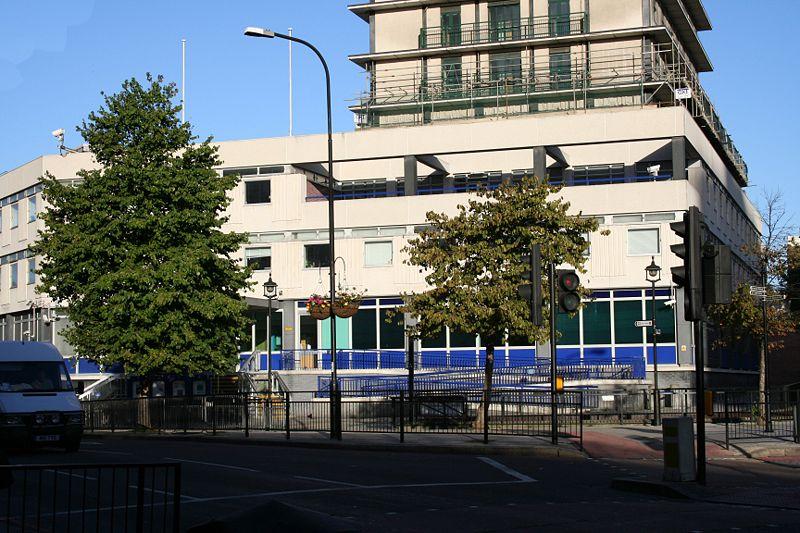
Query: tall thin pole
x: 553, y: 362
x: 291, y: 106
x: 656, y: 392
x: 183, y: 80
x: 700, y: 399
x: 767, y: 407
x: 269, y: 348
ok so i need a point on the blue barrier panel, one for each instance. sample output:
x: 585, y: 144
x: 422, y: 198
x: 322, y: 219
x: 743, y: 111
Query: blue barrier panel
x: 666, y: 355
x: 435, y: 359
x: 72, y: 368
x: 277, y: 362
x: 326, y: 360
x: 463, y: 359
x: 629, y: 353
x: 393, y: 360
x: 263, y: 362
x: 521, y: 356
x: 568, y: 354
x: 86, y: 366
x: 599, y: 355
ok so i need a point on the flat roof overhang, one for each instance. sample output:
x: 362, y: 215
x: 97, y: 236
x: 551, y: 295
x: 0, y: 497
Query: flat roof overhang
x: 688, y: 18
x: 366, y: 9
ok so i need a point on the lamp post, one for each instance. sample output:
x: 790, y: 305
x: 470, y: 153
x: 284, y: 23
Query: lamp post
x: 269, y: 34
x: 270, y: 293
x: 653, y: 275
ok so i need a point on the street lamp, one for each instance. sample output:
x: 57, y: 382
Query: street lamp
x: 270, y: 293
x: 251, y: 31
x: 653, y: 275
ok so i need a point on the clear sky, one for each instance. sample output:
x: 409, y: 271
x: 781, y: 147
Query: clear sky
x: 56, y: 57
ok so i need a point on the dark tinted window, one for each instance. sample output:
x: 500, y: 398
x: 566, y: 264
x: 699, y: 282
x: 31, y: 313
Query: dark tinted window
x: 257, y: 192
x: 317, y: 255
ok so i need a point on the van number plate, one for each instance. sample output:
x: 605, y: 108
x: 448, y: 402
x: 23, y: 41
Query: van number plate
x: 46, y: 438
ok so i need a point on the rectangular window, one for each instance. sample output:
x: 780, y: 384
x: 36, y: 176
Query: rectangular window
x: 569, y: 327
x: 31, y: 271
x: 31, y: 208
x: 597, y: 323
x: 14, y: 276
x: 317, y: 256
x: 392, y: 332
x: 665, y: 321
x: 504, y: 24
x: 506, y: 66
x: 377, y: 254
x: 365, y: 333
x: 14, y: 215
x: 599, y: 174
x: 451, y: 26
x: 258, y: 258
x: 257, y: 192
x: 625, y: 314
x: 643, y: 241
x: 451, y: 76
x: 558, y: 15
x: 560, y: 68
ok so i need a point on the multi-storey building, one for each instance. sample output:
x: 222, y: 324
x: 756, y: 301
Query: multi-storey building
x: 600, y: 96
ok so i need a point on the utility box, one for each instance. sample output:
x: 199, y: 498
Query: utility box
x: 679, y: 463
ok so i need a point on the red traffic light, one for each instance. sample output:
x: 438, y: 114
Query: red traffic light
x: 569, y: 281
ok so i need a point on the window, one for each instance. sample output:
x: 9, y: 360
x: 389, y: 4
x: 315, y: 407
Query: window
x: 392, y: 332
x: 451, y: 26
x: 257, y: 192
x: 451, y: 75
x: 365, y: 332
x: 653, y: 170
x: 599, y: 174
x: 31, y: 271
x: 625, y: 314
x: 378, y: 253
x: 14, y: 215
x: 317, y: 256
x: 597, y: 323
x: 560, y: 68
x: 14, y: 276
x: 643, y: 241
x: 31, y: 208
x: 506, y: 66
x: 665, y: 321
x: 558, y: 14
x: 258, y: 258
x: 569, y: 327
x: 504, y: 21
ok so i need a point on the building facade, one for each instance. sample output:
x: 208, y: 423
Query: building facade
x: 599, y: 96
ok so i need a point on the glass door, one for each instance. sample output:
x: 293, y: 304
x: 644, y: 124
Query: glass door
x: 558, y: 14
x: 504, y: 21
x: 451, y: 26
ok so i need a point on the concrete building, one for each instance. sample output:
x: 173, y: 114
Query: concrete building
x: 600, y: 96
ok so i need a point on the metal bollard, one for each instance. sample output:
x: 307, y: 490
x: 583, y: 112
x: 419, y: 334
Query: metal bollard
x: 796, y: 422
x: 286, y: 411
x: 403, y: 417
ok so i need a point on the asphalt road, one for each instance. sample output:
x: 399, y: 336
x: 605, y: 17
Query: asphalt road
x: 379, y: 491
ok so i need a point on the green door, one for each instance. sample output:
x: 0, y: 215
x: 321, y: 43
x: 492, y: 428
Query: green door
x: 342, y: 333
x: 560, y: 69
x: 558, y: 14
x: 451, y: 26
x: 504, y: 24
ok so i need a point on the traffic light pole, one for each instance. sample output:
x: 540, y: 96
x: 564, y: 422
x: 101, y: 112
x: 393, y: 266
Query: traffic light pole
x: 553, y: 368
x: 700, y: 398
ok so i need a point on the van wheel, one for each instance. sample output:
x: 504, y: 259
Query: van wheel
x: 72, y: 445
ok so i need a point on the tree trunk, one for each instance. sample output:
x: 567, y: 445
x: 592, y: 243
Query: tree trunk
x: 487, y: 389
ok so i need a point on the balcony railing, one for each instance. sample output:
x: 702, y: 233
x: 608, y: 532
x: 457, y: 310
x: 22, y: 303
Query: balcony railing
x: 493, y: 32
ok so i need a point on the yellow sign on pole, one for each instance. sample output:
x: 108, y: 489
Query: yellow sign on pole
x: 559, y: 383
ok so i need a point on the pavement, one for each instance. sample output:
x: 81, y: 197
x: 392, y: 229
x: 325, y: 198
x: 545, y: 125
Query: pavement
x: 387, y: 491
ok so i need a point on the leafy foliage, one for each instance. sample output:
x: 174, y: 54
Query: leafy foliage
x: 473, y: 261
x: 136, y: 252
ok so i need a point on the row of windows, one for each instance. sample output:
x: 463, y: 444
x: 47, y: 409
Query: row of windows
x: 13, y: 210
x: 13, y: 273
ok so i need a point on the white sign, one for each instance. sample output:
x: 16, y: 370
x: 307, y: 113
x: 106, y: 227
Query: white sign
x: 755, y: 290
x: 683, y: 93
x: 643, y: 323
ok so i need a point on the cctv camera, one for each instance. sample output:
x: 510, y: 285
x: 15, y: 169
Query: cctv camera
x: 654, y: 170
x: 670, y: 303
x: 59, y: 133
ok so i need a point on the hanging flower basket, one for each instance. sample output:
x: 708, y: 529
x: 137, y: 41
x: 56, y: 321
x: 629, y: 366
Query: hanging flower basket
x: 347, y: 303
x: 318, y: 307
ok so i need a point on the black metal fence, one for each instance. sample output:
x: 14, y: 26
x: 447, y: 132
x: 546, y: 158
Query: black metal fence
x: 750, y: 415
x: 95, y: 498
x: 510, y: 412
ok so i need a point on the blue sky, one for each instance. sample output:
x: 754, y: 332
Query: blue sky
x: 56, y: 57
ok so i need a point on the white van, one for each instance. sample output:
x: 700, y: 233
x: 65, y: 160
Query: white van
x: 38, y: 405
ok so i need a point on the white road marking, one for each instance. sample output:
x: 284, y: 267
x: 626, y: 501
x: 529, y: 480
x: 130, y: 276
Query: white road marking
x: 503, y: 468
x: 111, y: 453
x: 329, y: 481
x: 211, y: 464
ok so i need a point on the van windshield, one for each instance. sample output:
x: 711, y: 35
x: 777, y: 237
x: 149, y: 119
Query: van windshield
x: 34, y: 376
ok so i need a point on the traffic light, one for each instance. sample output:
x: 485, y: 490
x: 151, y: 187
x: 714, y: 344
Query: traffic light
x: 532, y: 290
x: 567, y: 285
x: 690, y: 275
x: 717, y: 281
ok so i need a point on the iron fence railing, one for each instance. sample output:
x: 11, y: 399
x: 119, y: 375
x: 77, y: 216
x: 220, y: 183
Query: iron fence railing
x: 393, y: 411
x: 95, y: 498
x: 511, y: 30
x: 748, y: 415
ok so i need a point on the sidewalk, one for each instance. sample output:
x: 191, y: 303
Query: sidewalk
x: 386, y: 442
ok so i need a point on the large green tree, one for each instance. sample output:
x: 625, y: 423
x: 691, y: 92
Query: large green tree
x: 473, y: 261
x: 136, y: 252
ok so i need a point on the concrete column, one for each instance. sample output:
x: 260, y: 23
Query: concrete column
x: 540, y: 163
x: 410, y: 173
x: 289, y: 333
x: 391, y: 188
x: 647, y: 8
x: 679, y: 158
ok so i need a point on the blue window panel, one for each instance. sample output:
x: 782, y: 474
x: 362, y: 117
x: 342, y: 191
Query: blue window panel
x: 629, y: 353
x: 88, y: 367
x: 277, y: 362
x: 659, y: 292
x: 368, y: 303
x: 601, y: 294
x: 71, y: 368
x: 433, y: 359
x: 391, y: 301
x: 568, y: 355
x: 521, y: 356
x: 263, y: 362
x: 666, y: 355
x: 464, y: 358
x: 597, y: 355
x: 627, y: 294
x: 301, y: 304
x: 393, y: 360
